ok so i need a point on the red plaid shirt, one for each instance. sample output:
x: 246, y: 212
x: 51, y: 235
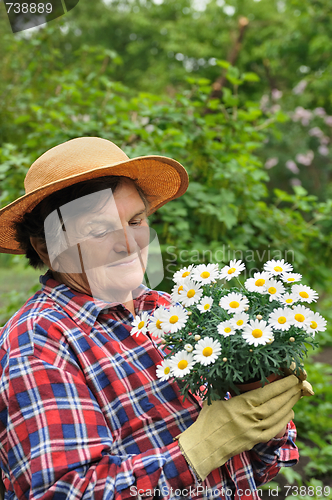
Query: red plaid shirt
x: 83, y: 416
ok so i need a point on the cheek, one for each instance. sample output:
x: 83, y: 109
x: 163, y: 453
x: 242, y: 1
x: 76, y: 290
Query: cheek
x: 69, y: 261
x: 95, y: 253
x: 142, y: 237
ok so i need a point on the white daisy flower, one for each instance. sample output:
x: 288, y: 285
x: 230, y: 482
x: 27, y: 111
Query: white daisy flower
x: 174, y: 318
x: 239, y: 320
x: 164, y: 370
x: 177, y: 290
x: 281, y: 319
x: 291, y: 277
x: 205, y: 273
x: 258, y: 332
x: 318, y: 324
x: 206, y: 351
x: 301, y: 316
x: 257, y: 283
x: 192, y: 293
x: 232, y: 271
x: 189, y: 347
x: 205, y: 304
x: 226, y: 328
x: 185, y: 272
x: 277, y: 267
x: 234, y: 302
x: 288, y: 299
x: 181, y: 363
x: 140, y: 324
x: 274, y: 288
x: 156, y: 320
x: 304, y: 293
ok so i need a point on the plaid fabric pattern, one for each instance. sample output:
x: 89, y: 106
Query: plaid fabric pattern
x: 82, y: 415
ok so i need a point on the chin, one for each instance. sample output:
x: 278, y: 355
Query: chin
x: 129, y: 284
x: 114, y: 287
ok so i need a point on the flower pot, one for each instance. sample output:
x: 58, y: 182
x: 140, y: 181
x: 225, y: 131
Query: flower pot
x: 250, y: 386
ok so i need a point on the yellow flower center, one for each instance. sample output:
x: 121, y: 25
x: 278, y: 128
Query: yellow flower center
x: 182, y: 364
x: 260, y: 282
x: 185, y: 274
x: 205, y: 274
x: 313, y: 324
x: 167, y: 370
x: 206, y: 306
x: 140, y: 325
x: 173, y: 319
x: 239, y: 322
x: 180, y: 288
x: 278, y: 269
x: 282, y: 320
x: 304, y: 295
x: 299, y: 317
x: 227, y: 329
x: 289, y: 301
x: 257, y: 333
x: 158, y: 324
x: 234, y: 304
x: 272, y: 290
x: 231, y: 270
x: 290, y: 279
x: 190, y: 293
x: 207, y: 351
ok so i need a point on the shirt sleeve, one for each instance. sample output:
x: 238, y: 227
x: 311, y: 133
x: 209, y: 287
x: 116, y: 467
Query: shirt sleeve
x: 268, y: 458
x: 57, y: 444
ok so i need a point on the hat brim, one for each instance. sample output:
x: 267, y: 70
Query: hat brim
x: 162, y: 179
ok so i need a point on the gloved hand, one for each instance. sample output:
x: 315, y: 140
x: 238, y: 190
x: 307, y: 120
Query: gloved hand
x: 227, y: 428
x: 302, y: 375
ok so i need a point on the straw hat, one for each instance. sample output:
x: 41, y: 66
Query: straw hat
x: 86, y: 158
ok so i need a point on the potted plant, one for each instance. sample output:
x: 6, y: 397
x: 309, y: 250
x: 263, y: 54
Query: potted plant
x: 218, y: 336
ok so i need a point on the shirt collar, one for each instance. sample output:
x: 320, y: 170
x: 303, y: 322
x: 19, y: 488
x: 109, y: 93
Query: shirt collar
x: 84, y: 309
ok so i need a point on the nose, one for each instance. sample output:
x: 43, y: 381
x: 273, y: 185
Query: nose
x: 125, y: 241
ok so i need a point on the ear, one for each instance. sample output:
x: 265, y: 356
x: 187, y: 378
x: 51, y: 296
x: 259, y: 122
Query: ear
x: 41, y: 249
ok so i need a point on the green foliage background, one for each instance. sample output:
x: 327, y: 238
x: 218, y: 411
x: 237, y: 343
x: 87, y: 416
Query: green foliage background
x: 143, y: 75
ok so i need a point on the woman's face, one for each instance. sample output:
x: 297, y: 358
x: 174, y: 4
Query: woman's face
x: 108, y: 245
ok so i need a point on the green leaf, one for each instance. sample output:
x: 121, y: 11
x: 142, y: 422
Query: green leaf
x: 203, y: 81
x: 228, y: 98
x: 300, y: 191
x: 223, y: 64
x: 250, y: 77
x: 22, y: 119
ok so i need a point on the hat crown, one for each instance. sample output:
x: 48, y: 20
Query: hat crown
x: 72, y: 158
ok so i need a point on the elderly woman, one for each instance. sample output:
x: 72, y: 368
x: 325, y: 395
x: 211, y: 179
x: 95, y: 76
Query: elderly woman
x: 82, y: 414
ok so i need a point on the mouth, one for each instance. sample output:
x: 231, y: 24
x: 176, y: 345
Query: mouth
x: 124, y: 263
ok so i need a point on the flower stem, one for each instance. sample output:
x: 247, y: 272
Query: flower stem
x: 239, y: 282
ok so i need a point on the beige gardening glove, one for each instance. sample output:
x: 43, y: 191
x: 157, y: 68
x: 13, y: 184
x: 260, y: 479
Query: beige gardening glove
x: 227, y: 428
x: 301, y: 374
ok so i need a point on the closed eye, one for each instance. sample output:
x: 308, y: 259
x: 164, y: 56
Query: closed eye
x: 135, y: 223
x: 103, y: 231
x: 99, y: 235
